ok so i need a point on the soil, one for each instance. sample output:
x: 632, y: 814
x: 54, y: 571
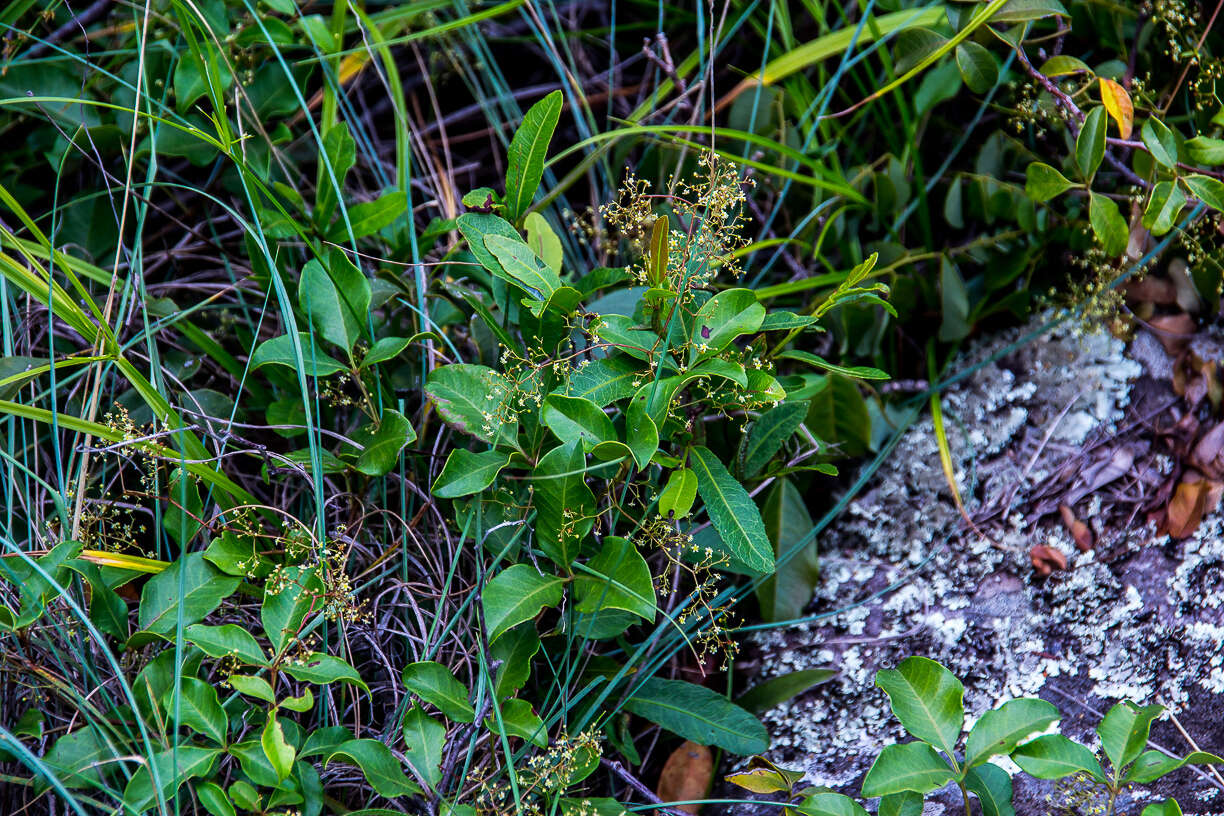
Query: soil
x: 1063, y: 419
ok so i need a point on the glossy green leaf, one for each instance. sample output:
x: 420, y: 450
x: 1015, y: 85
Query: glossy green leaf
x: 214, y: 799
x: 1160, y: 142
x: 543, y: 241
x: 904, y: 803
x: 1151, y: 765
x: 576, y: 419
x: 910, y: 766
x: 768, y: 433
x: 1043, y: 182
x: 519, y: 720
x: 732, y: 511
x: 722, y: 318
x: 469, y: 398
x: 1001, y: 729
x: 387, y: 348
x: 198, y: 709
x: 641, y: 433
x: 321, y: 669
x: 369, y: 217
x: 676, y: 499
x: 189, y: 589
x: 1090, y: 144
x: 424, y: 740
x: 279, y: 752
x: 1206, y: 150
x: 698, y: 714
x: 328, y: 315
x: 383, y: 446
x: 527, y: 152
x: 76, y: 758
x: 466, y: 473
x: 626, y: 583
x: 927, y: 699
x: 565, y: 505
x: 1166, y: 202
x: 1206, y: 189
x: 1166, y: 807
x: 436, y: 685
x: 523, y: 266
x: 380, y: 767
x: 1054, y: 757
x: 1021, y: 11
x: 226, y: 640
x: 784, y: 594
x: 1108, y: 224
x: 284, y: 610
x: 659, y: 251
x: 252, y: 686
x: 828, y: 803
x: 993, y: 788
x: 977, y: 67
x: 605, y: 380
x: 1064, y: 65
x: 174, y: 767
x: 476, y: 227
x: 1124, y: 732
x: 279, y: 351
x: 516, y: 594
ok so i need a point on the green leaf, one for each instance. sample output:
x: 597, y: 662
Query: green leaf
x: 369, y: 217
x: 676, y: 500
x: 954, y: 303
x: 1000, y: 730
x: 627, y: 335
x: 466, y: 473
x: 321, y: 669
x: 1043, y: 182
x: 659, y: 251
x: 1160, y: 142
x: 698, y: 714
x: 279, y: 351
x: 283, y: 611
x: 1108, y: 224
x: 1151, y: 765
x: 777, y: 690
x: 626, y: 583
x: 214, y: 799
x: 838, y: 415
x: 977, y: 67
x: 827, y: 803
x: 913, y: 45
x: 576, y: 419
x: 519, y: 720
x: 785, y: 593
x: 476, y: 227
x: 352, y: 284
x: 424, y: 740
x: 1167, y: 807
x: 1064, y: 65
x: 732, y: 511
x: 189, y: 588
x: 341, y: 153
x: 174, y: 767
x: 993, y: 788
x: 910, y: 766
x: 303, y: 702
x: 522, y: 266
x: 226, y: 640
x: 641, y: 433
x: 1090, y: 144
x: 198, y: 709
x: 328, y: 315
x: 436, y: 685
x: 778, y: 320
x: 528, y: 149
x: 1206, y: 189
x: 1020, y: 11
x: 1206, y: 150
x: 1054, y: 757
x: 565, y: 505
x: 515, y: 650
x: 469, y: 398
x: 184, y: 510
x: 927, y: 699
x: 769, y: 433
x: 382, y: 770
x: 1167, y: 200
x: 78, y: 758
x: 722, y: 318
x: 600, y: 805
x: 857, y: 372
x: 383, y: 447
x: 905, y: 803
x: 606, y: 380
x: 251, y: 686
x: 1124, y: 732
x: 543, y: 241
x: 517, y: 594
x: 278, y: 751
x: 387, y: 348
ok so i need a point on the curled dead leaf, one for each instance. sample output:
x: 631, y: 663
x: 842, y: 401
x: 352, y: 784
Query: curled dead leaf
x: 1078, y: 529
x: 1186, y: 508
x: 1047, y: 559
x: 1208, y: 454
x: 686, y: 776
x: 1173, y: 331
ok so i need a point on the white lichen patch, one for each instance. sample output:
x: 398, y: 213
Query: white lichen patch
x: 1144, y: 626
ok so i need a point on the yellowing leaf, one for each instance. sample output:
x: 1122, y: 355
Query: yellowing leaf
x: 1118, y: 102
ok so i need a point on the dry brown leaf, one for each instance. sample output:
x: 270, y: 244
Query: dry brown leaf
x: 1152, y: 290
x: 1186, y: 508
x: 1078, y: 529
x: 1209, y: 452
x: 1173, y: 331
x: 1047, y: 559
x: 686, y: 776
